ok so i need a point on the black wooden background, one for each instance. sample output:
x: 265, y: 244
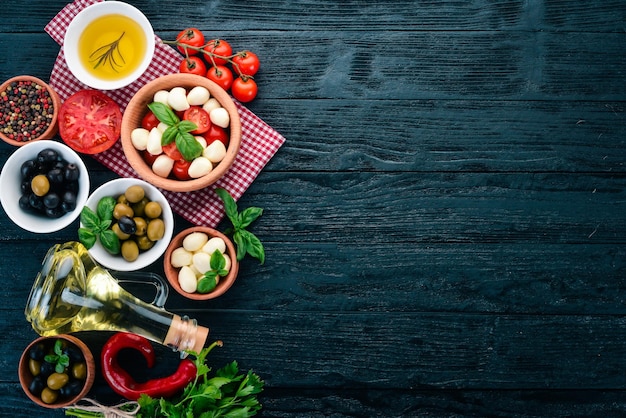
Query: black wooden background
x: 445, y: 226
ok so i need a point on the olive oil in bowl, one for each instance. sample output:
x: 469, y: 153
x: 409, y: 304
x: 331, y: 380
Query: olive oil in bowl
x: 112, y: 46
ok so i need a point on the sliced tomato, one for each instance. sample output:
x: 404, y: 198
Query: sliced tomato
x: 149, y: 121
x: 171, y: 151
x: 149, y: 158
x: 200, y: 117
x: 216, y: 133
x: 181, y: 169
x: 90, y: 121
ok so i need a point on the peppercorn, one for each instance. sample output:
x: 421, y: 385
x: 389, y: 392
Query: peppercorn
x: 26, y: 110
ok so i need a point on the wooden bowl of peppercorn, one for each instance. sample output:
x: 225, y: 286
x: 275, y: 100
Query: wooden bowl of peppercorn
x: 28, y: 110
x: 57, y: 371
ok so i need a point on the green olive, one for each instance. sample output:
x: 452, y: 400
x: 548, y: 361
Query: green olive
x: 141, y: 225
x: 134, y: 193
x: 139, y: 207
x: 79, y: 371
x: 40, y: 185
x: 116, y: 228
x: 122, y: 199
x: 130, y: 250
x: 49, y: 396
x: 156, y: 229
x: 153, y: 210
x: 57, y: 380
x: 122, y: 209
x: 144, y: 243
x: 34, y: 366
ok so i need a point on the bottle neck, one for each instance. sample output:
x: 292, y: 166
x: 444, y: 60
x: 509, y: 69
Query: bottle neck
x: 185, y: 335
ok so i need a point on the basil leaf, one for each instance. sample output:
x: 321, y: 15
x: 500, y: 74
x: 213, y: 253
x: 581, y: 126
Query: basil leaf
x: 249, y: 215
x: 255, y: 248
x: 164, y: 113
x: 207, y: 283
x: 169, y: 135
x: 110, y: 241
x: 241, y: 243
x: 188, y: 146
x: 186, y: 126
x: 87, y: 237
x: 230, y: 206
x: 89, y: 218
x: 105, y: 208
x: 217, y: 261
x: 104, y: 225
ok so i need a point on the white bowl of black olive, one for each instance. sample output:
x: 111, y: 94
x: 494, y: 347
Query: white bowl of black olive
x: 43, y: 186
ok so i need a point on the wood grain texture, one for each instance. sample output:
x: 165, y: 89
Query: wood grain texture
x: 445, y: 225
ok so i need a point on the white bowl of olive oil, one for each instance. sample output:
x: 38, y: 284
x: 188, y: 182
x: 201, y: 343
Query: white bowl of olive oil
x: 108, y: 45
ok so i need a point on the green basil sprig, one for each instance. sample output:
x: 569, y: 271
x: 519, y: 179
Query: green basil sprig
x: 217, y: 263
x: 246, y: 241
x: 59, y: 359
x: 96, y: 225
x: 177, y: 131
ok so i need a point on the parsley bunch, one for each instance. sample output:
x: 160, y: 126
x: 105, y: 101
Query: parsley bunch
x: 226, y: 393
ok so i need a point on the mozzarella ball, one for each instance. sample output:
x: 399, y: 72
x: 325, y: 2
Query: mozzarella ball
x: 194, y: 241
x: 139, y: 138
x: 215, y: 243
x: 161, y: 96
x: 202, y: 261
x: 181, y: 257
x: 220, y: 117
x: 187, y: 280
x: 162, y: 166
x: 199, y: 167
x: 215, y: 151
x: 198, y: 96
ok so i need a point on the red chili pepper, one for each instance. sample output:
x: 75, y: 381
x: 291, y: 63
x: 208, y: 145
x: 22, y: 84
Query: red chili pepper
x: 122, y: 382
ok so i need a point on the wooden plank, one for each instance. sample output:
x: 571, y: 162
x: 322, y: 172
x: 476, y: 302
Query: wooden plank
x: 435, y: 15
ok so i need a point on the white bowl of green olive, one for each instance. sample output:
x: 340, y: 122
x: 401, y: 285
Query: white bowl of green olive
x: 126, y: 224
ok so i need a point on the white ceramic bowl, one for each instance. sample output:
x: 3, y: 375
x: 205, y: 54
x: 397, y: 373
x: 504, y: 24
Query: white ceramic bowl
x: 87, y: 16
x: 10, y: 190
x: 116, y: 188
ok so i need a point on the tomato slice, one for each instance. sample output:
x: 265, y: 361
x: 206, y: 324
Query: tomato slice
x: 172, y: 151
x: 200, y: 117
x: 90, y: 121
x: 149, y: 121
x: 216, y: 133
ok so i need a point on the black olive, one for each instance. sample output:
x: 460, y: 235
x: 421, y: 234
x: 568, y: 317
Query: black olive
x: 71, y: 389
x: 24, y: 203
x: 51, y: 200
x: 127, y: 225
x: 68, y: 201
x: 28, y: 169
x: 72, y: 186
x: 54, y: 212
x: 71, y: 172
x: 37, y: 385
x: 60, y: 165
x: 25, y: 186
x: 47, y: 155
x: 75, y: 355
x: 37, y: 352
x: 35, y: 202
x: 46, y: 369
x: 55, y: 176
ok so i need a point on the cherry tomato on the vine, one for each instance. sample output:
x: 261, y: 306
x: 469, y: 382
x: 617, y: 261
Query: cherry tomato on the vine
x: 247, y: 62
x: 149, y: 121
x: 200, y: 117
x: 221, y: 75
x: 218, y: 47
x: 181, y: 169
x: 244, y: 89
x: 193, y: 65
x: 216, y: 133
x: 192, y: 37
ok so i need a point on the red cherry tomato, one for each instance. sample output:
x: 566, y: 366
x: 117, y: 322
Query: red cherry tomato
x: 193, y: 65
x: 149, y: 158
x: 216, y: 133
x: 149, y: 121
x: 172, y: 151
x: 218, y: 47
x: 181, y: 169
x: 191, y: 37
x: 248, y: 63
x: 200, y: 117
x: 90, y: 121
x: 221, y: 75
x: 244, y: 89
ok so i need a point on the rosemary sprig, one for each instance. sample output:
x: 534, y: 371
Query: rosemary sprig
x: 106, y: 54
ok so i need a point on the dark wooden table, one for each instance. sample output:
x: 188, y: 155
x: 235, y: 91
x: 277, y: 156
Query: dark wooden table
x: 445, y: 226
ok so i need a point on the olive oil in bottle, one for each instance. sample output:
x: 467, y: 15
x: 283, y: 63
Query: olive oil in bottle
x: 73, y: 293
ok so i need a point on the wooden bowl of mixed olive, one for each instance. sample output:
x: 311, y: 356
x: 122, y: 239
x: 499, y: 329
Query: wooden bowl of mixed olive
x: 141, y: 224
x: 56, y: 371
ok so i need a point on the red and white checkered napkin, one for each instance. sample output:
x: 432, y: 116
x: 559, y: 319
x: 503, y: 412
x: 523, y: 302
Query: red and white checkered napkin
x: 259, y: 142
